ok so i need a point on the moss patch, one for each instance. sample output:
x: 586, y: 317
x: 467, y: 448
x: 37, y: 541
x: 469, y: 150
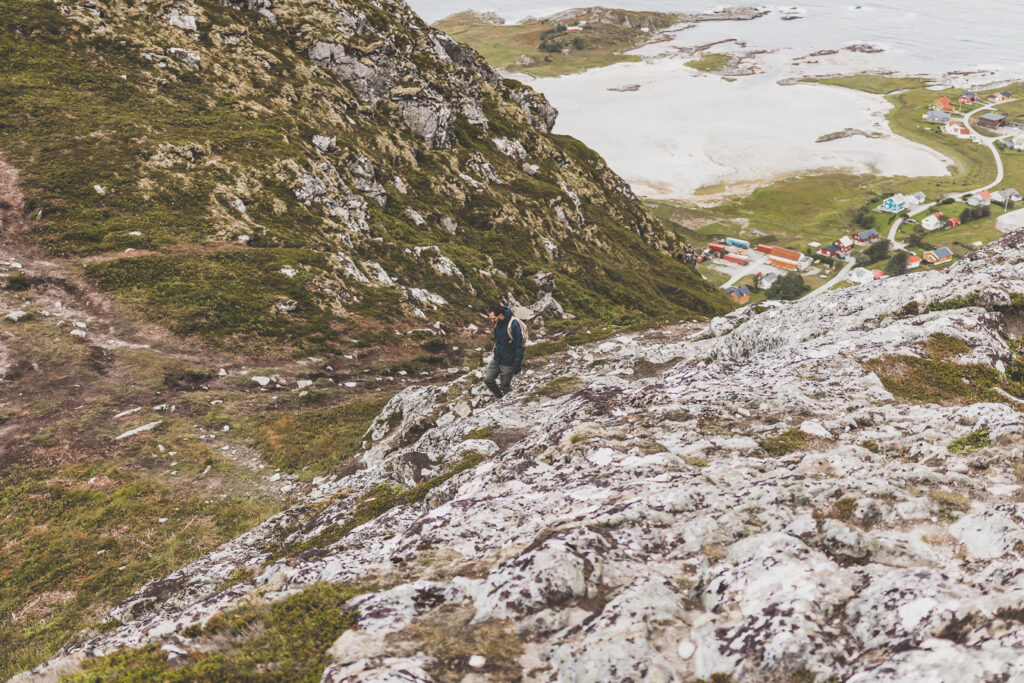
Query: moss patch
x: 382, y: 498
x: 924, y: 380
x: 317, y: 441
x: 787, y: 442
x: 712, y: 61
x: 968, y: 443
x: 282, y: 641
x: 560, y: 386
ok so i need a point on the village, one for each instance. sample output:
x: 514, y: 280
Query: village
x: 752, y: 271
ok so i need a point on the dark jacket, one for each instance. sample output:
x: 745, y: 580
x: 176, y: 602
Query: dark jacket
x: 508, y: 351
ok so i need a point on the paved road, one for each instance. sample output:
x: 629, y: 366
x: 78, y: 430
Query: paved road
x: 899, y: 221
x: 988, y: 142
x: 749, y: 269
x: 991, y: 144
x: 839, y: 277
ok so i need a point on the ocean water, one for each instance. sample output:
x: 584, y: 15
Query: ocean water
x: 684, y: 130
x: 918, y: 36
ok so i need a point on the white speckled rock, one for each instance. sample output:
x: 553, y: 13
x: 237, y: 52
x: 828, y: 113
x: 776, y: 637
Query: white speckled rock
x: 606, y: 527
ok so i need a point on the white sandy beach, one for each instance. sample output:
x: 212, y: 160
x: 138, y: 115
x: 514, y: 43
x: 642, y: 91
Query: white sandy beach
x: 683, y: 129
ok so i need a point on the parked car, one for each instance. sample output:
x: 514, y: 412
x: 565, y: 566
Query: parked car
x: 911, y: 221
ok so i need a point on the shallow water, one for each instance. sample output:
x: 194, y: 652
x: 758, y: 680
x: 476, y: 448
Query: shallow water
x: 684, y: 130
x: 936, y: 36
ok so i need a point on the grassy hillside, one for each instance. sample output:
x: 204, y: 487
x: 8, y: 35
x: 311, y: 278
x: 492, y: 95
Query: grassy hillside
x: 184, y: 180
x: 199, y: 195
x: 543, y: 47
x: 820, y: 207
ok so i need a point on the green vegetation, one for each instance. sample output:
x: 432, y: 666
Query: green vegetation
x: 944, y: 347
x: 950, y: 502
x: 542, y: 42
x: 897, y: 265
x: 819, y: 207
x: 450, y: 639
x: 877, y: 85
x: 934, y: 379
x: 480, y: 433
x: 786, y: 442
x: 788, y: 287
x: 283, y: 641
x: 83, y: 537
x: 876, y: 252
x: 844, y: 508
x: 560, y: 386
x: 317, y: 441
x: 382, y: 498
x: 171, y: 149
x: 711, y: 61
x: 17, y: 282
x: 968, y: 443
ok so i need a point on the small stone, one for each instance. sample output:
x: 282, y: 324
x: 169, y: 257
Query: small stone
x: 261, y: 380
x: 99, y: 190
x: 324, y: 143
x: 815, y: 428
x: 15, y: 316
x: 686, y: 649
x: 477, y: 661
x: 162, y: 520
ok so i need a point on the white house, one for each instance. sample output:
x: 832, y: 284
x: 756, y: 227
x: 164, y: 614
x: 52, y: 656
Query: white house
x: 860, y: 276
x: 932, y: 222
x: 1017, y: 142
x: 893, y: 204
x: 983, y: 198
x: 1006, y: 195
x: 956, y: 129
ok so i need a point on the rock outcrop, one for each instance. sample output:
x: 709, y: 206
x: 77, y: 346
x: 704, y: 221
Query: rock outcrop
x: 290, y: 130
x: 771, y: 497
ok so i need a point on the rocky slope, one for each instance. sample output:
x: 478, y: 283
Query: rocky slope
x: 323, y: 196
x: 822, y: 490
x: 283, y: 175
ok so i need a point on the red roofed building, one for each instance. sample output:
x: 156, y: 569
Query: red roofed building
x: 944, y: 104
x: 787, y: 258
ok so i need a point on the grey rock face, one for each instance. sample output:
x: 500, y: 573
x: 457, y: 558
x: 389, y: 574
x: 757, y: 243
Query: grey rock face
x: 635, y: 528
x: 186, y: 57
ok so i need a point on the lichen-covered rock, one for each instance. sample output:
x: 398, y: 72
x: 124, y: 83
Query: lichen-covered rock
x: 672, y: 505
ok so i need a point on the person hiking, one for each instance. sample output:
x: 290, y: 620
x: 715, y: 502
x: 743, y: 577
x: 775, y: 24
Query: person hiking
x: 508, y: 350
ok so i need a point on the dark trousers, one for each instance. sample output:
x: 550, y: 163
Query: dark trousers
x: 493, y: 371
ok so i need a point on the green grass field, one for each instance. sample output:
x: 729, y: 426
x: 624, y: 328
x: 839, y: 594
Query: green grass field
x: 820, y: 207
x: 878, y: 85
x: 712, y: 61
x: 543, y: 42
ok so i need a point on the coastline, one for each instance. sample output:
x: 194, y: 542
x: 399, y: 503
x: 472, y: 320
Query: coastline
x: 683, y: 129
x: 673, y: 131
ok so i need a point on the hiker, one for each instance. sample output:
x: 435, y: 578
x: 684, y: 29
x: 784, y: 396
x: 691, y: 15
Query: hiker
x: 508, y: 350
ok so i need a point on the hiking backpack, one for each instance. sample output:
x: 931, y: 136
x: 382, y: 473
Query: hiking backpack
x: 522, y: 328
